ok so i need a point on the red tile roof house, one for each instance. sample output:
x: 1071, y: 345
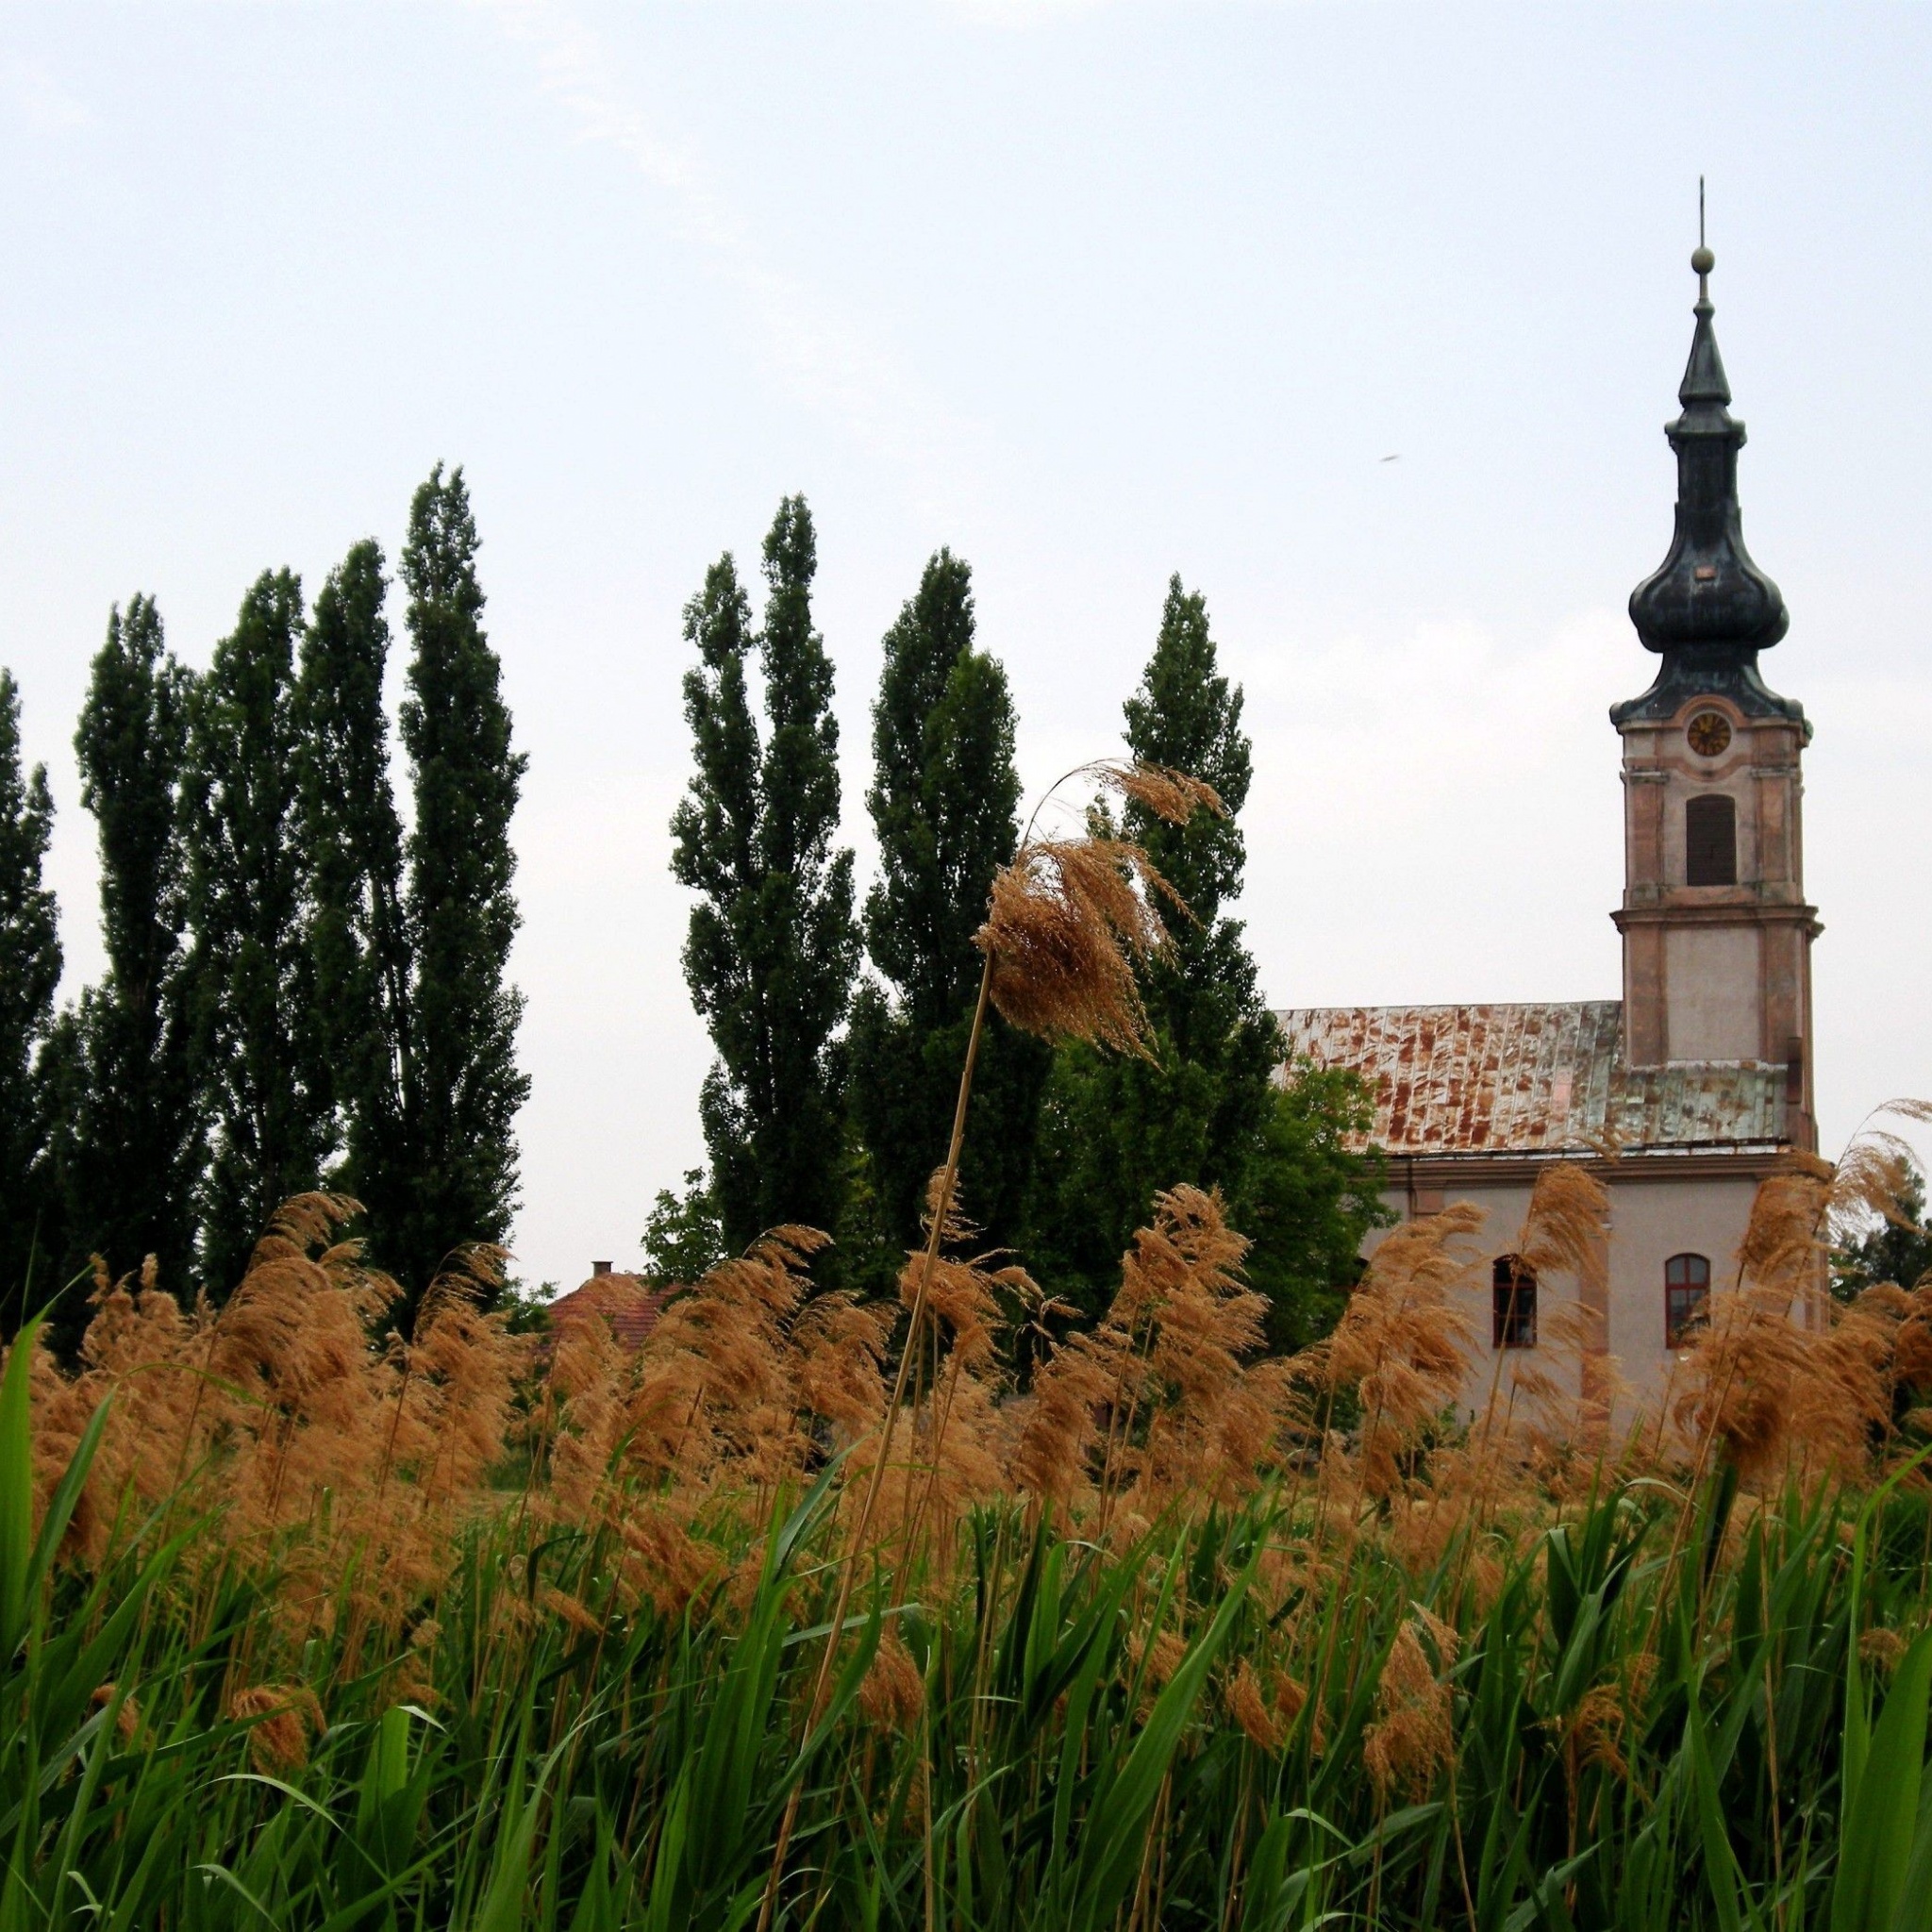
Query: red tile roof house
x: 627, y: 1303
x: 1701, y: 1075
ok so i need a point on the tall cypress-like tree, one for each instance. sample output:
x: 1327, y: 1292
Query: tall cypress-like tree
x: 773, y: 944
x: 462, y: 1086
x: 1205, y: 997
x: 1206, y: 1108
x: 715, y: 835
x: 256, y: 1033
x: 945, y: 800
x: 129, y: 1141
x: 29, y: 972
x: 352, y: 840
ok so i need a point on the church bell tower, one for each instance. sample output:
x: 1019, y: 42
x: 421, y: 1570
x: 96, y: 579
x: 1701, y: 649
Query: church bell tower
x: 1717, y: 933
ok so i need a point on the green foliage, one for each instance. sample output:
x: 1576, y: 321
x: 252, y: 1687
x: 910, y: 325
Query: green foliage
x: 524, y: 1305
x: 682, y: 1235
x: 30, y: 974
x: 771, y: 947
x: 257, y: 1034
x: 129, y: 1144
x: 870, y: 1259
x: 945, y: 802
x: 1897, y: 1250
x: 1205, y: 1110
x: 460, y: 1087
x: 352, y: 840
x: 944, y: 797
x: 1312, y: 1199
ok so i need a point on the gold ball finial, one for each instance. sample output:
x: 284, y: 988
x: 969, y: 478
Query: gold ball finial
x: 1702, y: 260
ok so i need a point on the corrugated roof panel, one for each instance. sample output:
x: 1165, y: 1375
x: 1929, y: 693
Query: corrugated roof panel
x: 1531, y: 1078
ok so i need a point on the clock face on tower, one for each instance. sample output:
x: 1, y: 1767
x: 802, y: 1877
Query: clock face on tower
x: 1710, y: 733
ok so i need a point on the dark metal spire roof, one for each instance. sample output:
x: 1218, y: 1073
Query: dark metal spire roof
x: 1708, y: 608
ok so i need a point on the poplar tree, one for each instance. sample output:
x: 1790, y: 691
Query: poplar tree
x: 352, y: 840
x: 256, y: 1033
x: 945, y: 802
x: 1205, y: 1107
x: 29, y: 972
x: 460, y: 1084
x: 128, y: 1138
x: 1223, y: 1044
x: 773, y: 944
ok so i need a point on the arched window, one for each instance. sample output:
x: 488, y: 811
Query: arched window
x: 1512, y: 1301
x: 1687, y: 1288
x: 1711, y: 840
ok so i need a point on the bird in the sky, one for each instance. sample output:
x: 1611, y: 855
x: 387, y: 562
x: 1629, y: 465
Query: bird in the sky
x: 1395, y: 458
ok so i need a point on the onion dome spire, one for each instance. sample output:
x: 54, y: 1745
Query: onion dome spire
x: 1708, y: 608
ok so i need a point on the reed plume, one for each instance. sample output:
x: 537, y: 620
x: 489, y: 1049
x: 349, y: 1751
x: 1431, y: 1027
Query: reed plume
x: 1161, y: 1403
x: 1780, y: 1380
x: 1071, y: 920
x: 1405, y: 1337
x: 1412, y: 1737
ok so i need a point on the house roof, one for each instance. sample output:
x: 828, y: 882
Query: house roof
x: 626, y: 1302
x: 1533, y: 1078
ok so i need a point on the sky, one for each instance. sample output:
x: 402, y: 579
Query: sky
x: 1364, y: 318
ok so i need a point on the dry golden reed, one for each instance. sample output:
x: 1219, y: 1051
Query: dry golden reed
x: 282, y: 1719
x: 1407, y: 1339
x: 347, y: 1459
x: 892, y: 1693
x: 1174, y: 797
x: 126, y: 1717
x: 1071, y: 920
x: 1164, y: 1399
x: 346, y: 1464
x: 1248, y: 1708
x: 1412, y: 1737
x: 1780, y: 1380
x: 351, y: 1462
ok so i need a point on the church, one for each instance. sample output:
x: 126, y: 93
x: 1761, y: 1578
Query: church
x: 1700, y: 1077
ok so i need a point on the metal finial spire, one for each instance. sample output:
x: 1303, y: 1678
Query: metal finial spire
x: 1702, y: 260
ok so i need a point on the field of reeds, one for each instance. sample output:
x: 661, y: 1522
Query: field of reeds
x: 485, y: 1630
x: 807, y: 1613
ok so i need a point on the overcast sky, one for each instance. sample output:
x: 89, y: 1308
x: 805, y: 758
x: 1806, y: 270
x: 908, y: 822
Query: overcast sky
x: 1364, y: 318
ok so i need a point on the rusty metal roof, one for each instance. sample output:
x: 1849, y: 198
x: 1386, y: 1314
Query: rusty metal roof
x: 1532, y: 1078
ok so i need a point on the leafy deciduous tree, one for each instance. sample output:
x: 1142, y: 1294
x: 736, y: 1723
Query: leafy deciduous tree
x: 1898, y: 1249
x: 682, y: 1238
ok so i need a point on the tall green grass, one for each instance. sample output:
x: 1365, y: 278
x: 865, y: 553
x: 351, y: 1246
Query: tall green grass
x: 1663, y: 1709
